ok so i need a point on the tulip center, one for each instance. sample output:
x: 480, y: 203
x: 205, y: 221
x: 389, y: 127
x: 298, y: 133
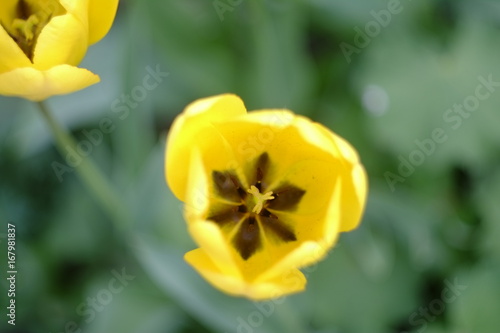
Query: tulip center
x: 30, y: 17
x: 259, y: 198
x: 249, y: 219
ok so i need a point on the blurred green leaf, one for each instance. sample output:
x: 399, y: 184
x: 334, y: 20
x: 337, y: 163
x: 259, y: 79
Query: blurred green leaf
x: 147, y: 309
x: 166, y: 267
x: 368, y: 273
x: 476, y: 310
x: 422, y: 81
x: 487, y: 201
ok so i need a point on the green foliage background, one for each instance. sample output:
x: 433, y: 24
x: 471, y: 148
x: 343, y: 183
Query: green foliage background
x: 439, y: 227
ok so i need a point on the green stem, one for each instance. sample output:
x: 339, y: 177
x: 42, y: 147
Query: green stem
x: 93, y: 179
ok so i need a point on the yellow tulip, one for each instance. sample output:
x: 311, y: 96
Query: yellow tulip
x: 42, y: 42
x: 265, y: 192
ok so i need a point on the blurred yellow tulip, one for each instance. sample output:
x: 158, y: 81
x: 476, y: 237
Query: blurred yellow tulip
x: 42, y: 42
x: 265, y: 192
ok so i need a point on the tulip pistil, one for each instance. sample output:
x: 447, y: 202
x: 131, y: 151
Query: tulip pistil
x: 27, y: 27
x: 260, y: 199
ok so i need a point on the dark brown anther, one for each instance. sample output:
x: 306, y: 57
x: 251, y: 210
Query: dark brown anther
x: 231, y: 215
x: 261, y: 168
x: 227, y: 185
x: 23, y: 11
x: 287, y: 197
x: 278, y: 228
x: 241, y: 192
x: 267, y: 213
x: 248, y: 240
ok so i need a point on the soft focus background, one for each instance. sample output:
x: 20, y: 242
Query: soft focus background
x: 406, y: 82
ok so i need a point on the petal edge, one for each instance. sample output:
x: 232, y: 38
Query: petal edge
x: 101, y: 16
x: 196, y: 116
x: 37, y: 85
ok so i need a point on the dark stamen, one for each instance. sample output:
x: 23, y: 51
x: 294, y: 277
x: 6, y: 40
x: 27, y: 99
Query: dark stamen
x: 279, y: 229
x: 232, y: 215
x: 260, y: 174
x: 287, y: 197
x: 228, y: 186
x: 261, y: 168
x: 267, y: 213
x: 23, y: 10
x: 241, y: 192
x: 247, y: 241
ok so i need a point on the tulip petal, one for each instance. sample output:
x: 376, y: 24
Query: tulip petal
x: 306, y: 254
x: 333, y: 216
x: 38, y: 85
x: 354, y: 184
x: 205, y: 233
x: 277, y: 132
x: 292, y: 281
x: 185, y: 131
x: 11, y: 56
x: 209, y: 237
x: 101, y: 16
x: 353, y: 198
x: 306, y: 182
x: 295, y: 157
x: 7, y: 11
x: 64, y: 40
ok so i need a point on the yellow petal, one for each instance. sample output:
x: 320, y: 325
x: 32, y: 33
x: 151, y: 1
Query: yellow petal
x: 304, y: 255
x: 353, y: 198
x: 355, y: 183
x: 8, y: 11
x: 209, y: 237
x: 333, y: 217
x: 277, y: 132
x: 64, y: 40
x: 185, y: 132
x: 205, y: 233
x: 78, y: 8
x: 101, y: 16
x: 292, y: 281
x: 316, y: 177
x: 11, y: 55
x: 38, y: 85
x: 295, y: 157
x: 198, y: 189
x: 317, y: 216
